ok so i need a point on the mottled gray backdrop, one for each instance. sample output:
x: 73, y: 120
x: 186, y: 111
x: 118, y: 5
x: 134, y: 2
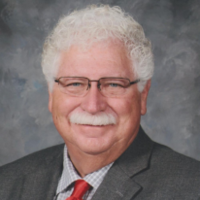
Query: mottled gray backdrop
x: 173, y: 116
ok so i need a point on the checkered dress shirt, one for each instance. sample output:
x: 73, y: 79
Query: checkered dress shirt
x: 69, y: 176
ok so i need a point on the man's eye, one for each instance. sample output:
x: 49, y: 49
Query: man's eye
x: 74, y: 85
x: 115, y: 85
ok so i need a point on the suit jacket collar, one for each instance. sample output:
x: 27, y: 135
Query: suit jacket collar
x: 136, y: 157
x: 119, y: 182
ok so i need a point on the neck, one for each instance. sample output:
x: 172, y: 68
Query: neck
x: 87, y: 163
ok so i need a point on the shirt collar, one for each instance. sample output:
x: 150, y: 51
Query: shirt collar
x: 69, y: 174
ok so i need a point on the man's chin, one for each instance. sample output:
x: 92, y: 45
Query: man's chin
x: 93, y: 146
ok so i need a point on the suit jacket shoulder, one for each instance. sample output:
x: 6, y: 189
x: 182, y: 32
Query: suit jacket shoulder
x: 33, y: 174
x: 171, y: 159
x: 170, y: 175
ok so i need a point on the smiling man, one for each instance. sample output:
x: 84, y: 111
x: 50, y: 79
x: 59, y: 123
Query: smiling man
x: 98, y: 116
x: 98, y: 65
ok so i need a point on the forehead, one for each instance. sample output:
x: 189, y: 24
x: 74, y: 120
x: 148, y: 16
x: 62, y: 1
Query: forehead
x: 99, y: 60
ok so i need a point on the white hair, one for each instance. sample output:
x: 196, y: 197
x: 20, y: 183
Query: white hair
x: 98, y: 24
x: 99, y: 119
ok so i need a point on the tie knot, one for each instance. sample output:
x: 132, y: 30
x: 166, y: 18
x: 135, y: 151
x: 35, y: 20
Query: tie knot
x: 80, y: 188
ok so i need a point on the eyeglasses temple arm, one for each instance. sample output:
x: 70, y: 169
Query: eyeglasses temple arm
x: 136, y: 81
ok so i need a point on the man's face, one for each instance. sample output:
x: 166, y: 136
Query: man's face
x: 100, y: 60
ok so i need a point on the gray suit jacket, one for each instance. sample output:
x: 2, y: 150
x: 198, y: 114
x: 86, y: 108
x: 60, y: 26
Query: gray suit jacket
x: 145, y: 171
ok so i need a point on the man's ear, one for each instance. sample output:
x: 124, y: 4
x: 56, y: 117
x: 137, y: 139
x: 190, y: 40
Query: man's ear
x: 144, y: 95
x: 50, y: 101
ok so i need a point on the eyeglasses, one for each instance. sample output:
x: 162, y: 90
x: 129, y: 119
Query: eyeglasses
x: 108, y: 86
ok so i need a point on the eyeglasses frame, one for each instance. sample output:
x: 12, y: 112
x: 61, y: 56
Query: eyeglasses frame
x: 57, y: 80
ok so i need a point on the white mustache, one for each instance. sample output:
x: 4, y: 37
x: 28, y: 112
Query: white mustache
x: 89, y: 119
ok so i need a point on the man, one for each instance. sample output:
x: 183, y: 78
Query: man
x: 98, y: 66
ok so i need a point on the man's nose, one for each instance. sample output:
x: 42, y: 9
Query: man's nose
x: 93, y: 102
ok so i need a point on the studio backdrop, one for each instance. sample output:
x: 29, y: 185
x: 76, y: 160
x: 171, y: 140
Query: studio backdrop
x: 173, y: 115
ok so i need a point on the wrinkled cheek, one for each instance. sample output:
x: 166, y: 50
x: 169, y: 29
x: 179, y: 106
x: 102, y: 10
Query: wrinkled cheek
x: 131, y: 113
x: 60, y: 120
x: 57, y: 118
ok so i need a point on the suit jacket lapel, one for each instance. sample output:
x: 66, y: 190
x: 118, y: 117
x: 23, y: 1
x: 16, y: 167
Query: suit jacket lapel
x: 119, y: 182
x: 116, y: 186
x: 42, y: 184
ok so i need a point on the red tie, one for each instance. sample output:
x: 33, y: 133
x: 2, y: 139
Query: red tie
x: 80, y: 188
